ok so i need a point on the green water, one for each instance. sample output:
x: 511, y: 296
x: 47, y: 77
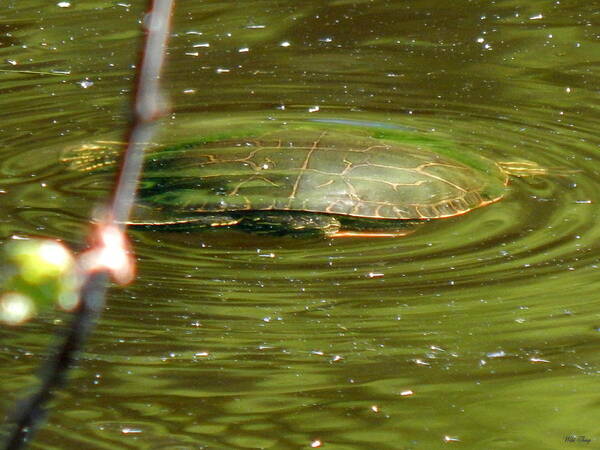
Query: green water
x: 482, y: 328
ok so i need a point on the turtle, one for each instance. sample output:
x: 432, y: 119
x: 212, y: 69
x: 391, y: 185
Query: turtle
x: 316, y: 181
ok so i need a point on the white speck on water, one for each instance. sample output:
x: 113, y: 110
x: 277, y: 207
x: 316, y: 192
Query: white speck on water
x: 568, y: 90
x: 536, y: 17
x: 480, y: 40
x: 130, y: 430
x: 375, y: 275
x: 285, y: 44
x: 326, y: 39
x: 406, y: 393
x: 221, y: 70
x: 313, y: 109
x: 86, y: 84
x: 189, y: 91
x: 243, y: 50
x: 12, y: 62
x: 498, y: 354
x: 256, y: 27
x: 197, y: 33
x: 201, y: 44
x: 538, y: 360
x: 63, y: 4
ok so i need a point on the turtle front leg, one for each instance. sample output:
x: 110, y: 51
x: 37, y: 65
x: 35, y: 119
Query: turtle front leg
x: 270, y: 222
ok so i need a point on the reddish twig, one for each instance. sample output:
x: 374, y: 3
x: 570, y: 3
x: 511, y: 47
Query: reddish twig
x: 108, y: 254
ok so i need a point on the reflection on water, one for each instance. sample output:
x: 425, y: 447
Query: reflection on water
x: 480, y: 328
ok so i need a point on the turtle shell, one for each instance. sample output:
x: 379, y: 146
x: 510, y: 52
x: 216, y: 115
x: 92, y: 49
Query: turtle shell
x: 321, y: 172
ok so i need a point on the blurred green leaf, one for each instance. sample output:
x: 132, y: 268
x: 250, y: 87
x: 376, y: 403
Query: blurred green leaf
x: 36, y: 273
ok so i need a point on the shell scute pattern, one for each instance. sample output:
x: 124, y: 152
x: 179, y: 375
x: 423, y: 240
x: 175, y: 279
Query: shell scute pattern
x: 325, y: 172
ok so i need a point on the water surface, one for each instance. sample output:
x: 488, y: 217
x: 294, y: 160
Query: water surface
x: 480, y: 330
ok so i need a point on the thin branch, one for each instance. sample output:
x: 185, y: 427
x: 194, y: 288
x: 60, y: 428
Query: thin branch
x: 147, y: 109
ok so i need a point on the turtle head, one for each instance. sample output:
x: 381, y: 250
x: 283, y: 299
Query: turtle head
x: 95, y: 157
